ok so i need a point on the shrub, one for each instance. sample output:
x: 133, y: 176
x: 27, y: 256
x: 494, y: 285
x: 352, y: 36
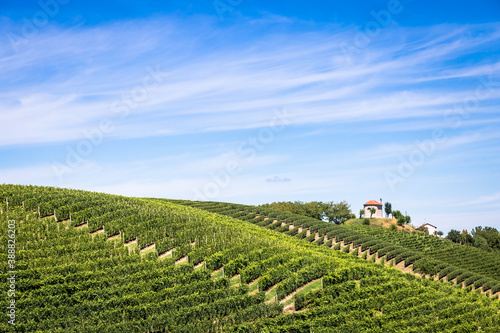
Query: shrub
x: 489, y: 284
x: 366, y: 221
x: 311, y: 237
x: 382, y: 252
x: 355, y: 252
x: 293, y: 231
x: 444, y: 272
x: 425, y: 266
x: 393, y: 227
x: 469, y: 281
x: 480, y: 282
x: 375, y: 248
x: 464, y: 276
x: 346, y: 249
x: 320, y: 241
x: 337, y: 246
x: 394, y: 253
x: 328, y: 243
x: 404, y: 256
x: 367, y: 245
x: 302, y: 234
x: 454, y: 274
x: 410, y: 260
x: 495, y: 288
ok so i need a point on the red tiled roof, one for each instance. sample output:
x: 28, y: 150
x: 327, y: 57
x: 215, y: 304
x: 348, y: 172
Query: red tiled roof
x: 373, y: 203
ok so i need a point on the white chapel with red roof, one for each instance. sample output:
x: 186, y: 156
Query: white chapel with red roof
x: 379, y: 213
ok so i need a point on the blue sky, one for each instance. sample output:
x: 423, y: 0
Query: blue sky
x: 252, y: 102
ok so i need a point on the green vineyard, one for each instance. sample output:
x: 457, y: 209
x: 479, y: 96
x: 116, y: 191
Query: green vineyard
x: 92, y: 262
x: 426, y: 254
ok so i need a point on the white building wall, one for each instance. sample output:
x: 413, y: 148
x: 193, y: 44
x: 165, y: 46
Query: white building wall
x: 377, y: 214
x: 431, y: 229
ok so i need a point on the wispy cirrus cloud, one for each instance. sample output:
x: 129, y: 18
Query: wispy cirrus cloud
x: 69, y: 80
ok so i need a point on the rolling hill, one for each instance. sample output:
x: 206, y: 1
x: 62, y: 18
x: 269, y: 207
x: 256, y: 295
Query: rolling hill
x: 92, y: 262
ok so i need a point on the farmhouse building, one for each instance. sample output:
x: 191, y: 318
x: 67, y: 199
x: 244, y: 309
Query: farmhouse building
x: 374, y: 204
x: 431, y: 229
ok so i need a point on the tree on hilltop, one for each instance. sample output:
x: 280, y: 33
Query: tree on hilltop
x: 388, y: 209
x: 454, y: 236
x: 396, y: 214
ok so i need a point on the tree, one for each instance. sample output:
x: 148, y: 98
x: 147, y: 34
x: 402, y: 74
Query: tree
x: 401, y: 220
x: 339, y: 212
x: 439, y: 233
x: 361, y: 212
x: 486, y: 238
x: 396, y: 214
x: 465, y: 237
x: 372, y: 211
x: 480, y: 242
x: 454, y: 236
x: 388, y: 209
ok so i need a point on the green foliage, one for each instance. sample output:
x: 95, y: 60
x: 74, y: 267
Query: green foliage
x: 71, y: 280
x: 388, y: 209
x: 396, y: 214
x: 454, y: 236
x: 336, y: 212
x: 366, y: 221
x: 382, y: 260
x: 486, y: 238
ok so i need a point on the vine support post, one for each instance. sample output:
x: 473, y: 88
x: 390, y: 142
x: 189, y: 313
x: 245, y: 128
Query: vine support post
x: 321, y: 283
x: 55, y: 217
x: 222, y: 271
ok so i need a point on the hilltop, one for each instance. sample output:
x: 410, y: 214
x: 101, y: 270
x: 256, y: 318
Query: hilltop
x: 379, y: 223
x: 90, y: 262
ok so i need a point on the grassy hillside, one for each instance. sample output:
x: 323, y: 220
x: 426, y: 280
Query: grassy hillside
x: 90, y: 262
x: 379, y: 223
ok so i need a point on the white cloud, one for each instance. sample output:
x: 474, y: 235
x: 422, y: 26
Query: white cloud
x: 228, y: 84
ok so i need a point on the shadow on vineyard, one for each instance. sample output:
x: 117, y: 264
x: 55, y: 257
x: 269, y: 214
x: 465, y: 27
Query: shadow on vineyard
x: 92, y: 262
